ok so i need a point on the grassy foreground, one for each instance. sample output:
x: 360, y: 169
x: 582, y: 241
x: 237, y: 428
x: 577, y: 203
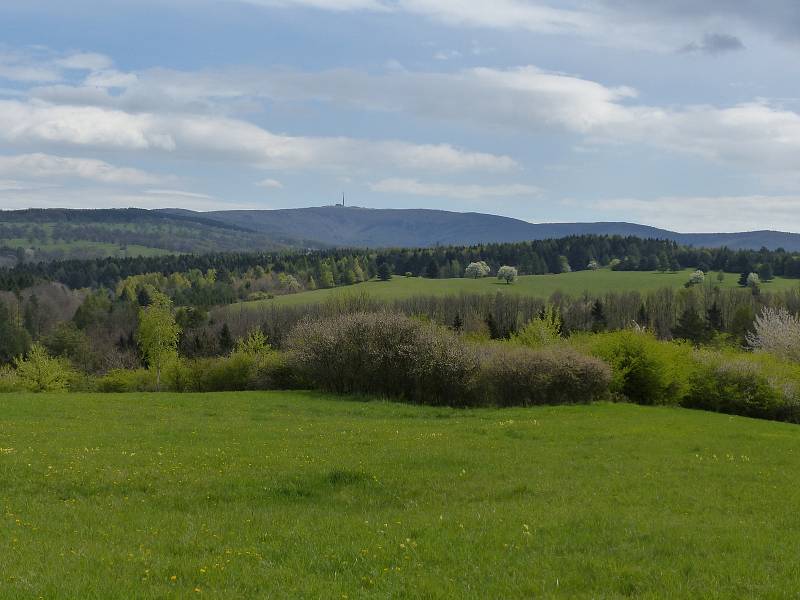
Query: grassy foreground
x: 297, y: 494
x: 540, y: 286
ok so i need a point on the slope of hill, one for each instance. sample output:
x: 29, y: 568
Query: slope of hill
x: 152, y: 495
x: 351, y: 226
x: 48, y: 234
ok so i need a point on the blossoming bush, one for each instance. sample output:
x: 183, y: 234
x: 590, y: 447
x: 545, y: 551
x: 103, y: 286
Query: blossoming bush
x: 777, y: 331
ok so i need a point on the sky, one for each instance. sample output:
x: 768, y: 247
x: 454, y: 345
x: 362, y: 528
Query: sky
x: 682, y: 114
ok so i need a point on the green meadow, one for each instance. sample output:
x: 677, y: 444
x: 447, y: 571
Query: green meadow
x: 574, y: 284
x: 279, y: 494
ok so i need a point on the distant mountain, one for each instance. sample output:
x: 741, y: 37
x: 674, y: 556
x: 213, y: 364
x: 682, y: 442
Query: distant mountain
x: 363, y: 227
x: 48, y: 234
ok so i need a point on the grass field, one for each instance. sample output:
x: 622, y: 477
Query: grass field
x: 255, y: 495
x: 574, y: 284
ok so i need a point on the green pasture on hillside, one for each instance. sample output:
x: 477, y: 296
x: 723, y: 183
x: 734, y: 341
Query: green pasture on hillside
x: 256, y: 495
x: 542, y: 286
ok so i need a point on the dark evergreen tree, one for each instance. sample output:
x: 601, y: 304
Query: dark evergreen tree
x: 31, y: 318
x: 494, y: 331
x: 432, y: 270
x: 765, y: 272
x: 225, y: 339
x: 714, y: 317
x: 599, y: 321
x: 692, y: 327
x: 384, y: 272
x: 743, y: 278
x: 14, y: 340
x: 642, y: 318
x: 143, y: 297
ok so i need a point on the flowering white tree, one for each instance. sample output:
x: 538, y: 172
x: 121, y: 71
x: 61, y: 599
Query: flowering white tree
x: 753, y: 280
x: 777, y: 331
x: 507, y: 274
x: 593, y: 265
x: 477, y: 269
x: 697, y: 277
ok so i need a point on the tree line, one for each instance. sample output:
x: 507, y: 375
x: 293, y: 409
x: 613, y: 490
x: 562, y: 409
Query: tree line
x: 334, y: 267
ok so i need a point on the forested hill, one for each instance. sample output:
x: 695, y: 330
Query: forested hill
x: 361, y: 227
x: 50, y: 234
x: 61, y: 234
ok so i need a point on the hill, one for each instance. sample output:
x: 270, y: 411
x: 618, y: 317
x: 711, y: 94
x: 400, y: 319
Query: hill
x: 50, y: 234
x: 297, y: 494
x: 362, y: 227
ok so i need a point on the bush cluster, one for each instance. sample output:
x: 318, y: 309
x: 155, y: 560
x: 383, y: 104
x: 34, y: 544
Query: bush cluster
x: 392, y: 355
x: 417, y: 360
x: 647, y: 371
x: 742, y: 387
x: 238, y: 372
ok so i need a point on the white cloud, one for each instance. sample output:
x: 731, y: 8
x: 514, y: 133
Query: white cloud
x: 658, y: 25
x: 179, y: 194
x: 43, y: 67
x: 12, y: 185
x: 221, y: 138
x: 104, y: 197
x: 524, y: 99
x: 110, y: 78
x: 703, y: 214
x: 759, y: 136
x: 45, y: 166
x: 606, y: 22
x: 334, y: 5
x: 272, y: 184
x: 85, y: 61
x: 453, y: 191
x: 447, y: 54
x: 22, y: 68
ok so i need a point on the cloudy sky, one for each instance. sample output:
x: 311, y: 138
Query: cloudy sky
x: 682, y: 114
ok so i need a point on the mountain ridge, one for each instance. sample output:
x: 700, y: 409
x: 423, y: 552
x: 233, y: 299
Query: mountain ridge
x: 386, y: 227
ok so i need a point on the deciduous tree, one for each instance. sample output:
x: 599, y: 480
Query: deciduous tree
x: 158, y: 334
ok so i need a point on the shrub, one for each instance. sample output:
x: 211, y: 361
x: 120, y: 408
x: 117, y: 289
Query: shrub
x: 230, y: 374
x: 384, y: 354
x: 741, y: 387
x: 9, y: 382
x: 520, y: 376
x: 645, y: 370
x: 126, y: 380
x: 268, y: 370
x: 541, y: 331
x: 39, y: 372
